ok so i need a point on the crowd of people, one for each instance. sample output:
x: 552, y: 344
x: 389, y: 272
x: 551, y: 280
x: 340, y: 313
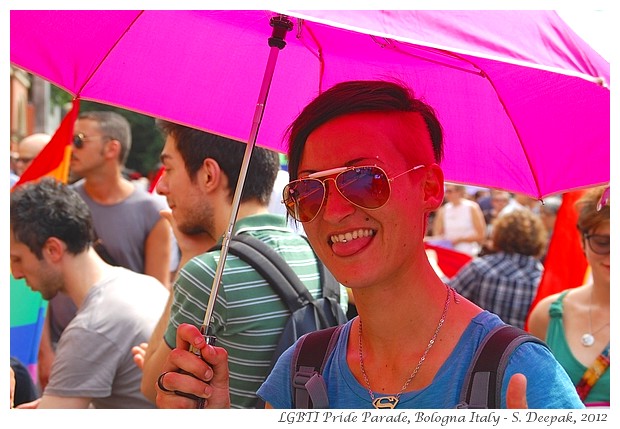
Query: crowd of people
x: 366, y: 188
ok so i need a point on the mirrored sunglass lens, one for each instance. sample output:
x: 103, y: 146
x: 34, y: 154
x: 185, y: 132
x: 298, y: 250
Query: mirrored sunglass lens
x: 367, y: 187
x: 78, y: 142
x: 303, y: 199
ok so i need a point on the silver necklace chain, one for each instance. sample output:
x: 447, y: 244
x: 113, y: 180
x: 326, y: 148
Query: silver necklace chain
x: 588, y: 339
x: 392, y: 401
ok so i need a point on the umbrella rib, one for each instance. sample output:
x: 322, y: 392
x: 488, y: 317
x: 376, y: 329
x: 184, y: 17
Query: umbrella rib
x: 516, y: 130
x: 477, y: 71
x: 485, y: 76
x: 131, y: 24
x: 318, y: 53
x: 390, y: 44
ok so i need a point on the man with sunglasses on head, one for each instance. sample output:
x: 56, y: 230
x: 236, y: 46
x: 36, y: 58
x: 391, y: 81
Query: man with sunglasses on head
x: 200, y: 176
x: 126, y: 218
x: 364, y: 163
x: 575, y: 322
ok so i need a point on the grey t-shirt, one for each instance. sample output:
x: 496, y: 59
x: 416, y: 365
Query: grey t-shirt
x: 93, y: 357
x: 123, y: 228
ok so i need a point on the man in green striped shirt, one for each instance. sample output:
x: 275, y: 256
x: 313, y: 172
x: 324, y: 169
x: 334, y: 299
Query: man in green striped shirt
x: 200, y: 175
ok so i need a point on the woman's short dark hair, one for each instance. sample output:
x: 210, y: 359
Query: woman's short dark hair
x: 355, y: 97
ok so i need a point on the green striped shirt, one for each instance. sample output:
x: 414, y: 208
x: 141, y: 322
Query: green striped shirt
x: 248, y: 316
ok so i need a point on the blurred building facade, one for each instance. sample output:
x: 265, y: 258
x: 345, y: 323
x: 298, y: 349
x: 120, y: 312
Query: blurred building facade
x: 30, y: 108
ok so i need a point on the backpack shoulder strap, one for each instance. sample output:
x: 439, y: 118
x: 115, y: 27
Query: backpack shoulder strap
x: 311, y: 353
x: 273, y: 268
x: 281, y: 276
x: 483, y: 383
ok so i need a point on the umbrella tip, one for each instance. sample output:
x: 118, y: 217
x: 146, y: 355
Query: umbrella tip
x: 281, y: 24
x: 600, y: 81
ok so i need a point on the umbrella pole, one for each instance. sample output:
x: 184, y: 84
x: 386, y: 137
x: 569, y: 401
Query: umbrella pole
x: 281, y: 24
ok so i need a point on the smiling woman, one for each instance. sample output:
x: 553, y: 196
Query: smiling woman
x: 418, y: 335
x: 576, y: 322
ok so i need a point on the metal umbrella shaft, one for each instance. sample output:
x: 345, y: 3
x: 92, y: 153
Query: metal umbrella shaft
x: 281, y: 25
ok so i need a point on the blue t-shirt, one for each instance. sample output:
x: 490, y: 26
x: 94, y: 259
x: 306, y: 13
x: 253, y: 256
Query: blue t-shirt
x: 548, y: 385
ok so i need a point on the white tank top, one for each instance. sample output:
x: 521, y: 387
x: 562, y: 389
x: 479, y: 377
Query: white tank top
x: 458, y: 222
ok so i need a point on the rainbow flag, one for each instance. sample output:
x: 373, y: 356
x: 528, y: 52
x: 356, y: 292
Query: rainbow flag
x: 27, y: 317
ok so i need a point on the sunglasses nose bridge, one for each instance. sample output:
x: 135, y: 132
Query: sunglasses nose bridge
x: 326, y: 186
x: 334, y: 194
x: 326, y: 189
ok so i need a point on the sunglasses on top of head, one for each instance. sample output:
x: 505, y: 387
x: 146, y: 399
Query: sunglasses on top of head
x: 367, y: 187
x: 79, y: 139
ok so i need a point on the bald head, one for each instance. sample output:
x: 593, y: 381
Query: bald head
x: 28, y: 148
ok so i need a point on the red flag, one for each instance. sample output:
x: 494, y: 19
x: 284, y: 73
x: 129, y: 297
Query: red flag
x: 565, y: 264
x: 54, y: 160
x: 155, y: 179
x: 450, y: 261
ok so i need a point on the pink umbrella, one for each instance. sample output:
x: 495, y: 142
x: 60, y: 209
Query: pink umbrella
x: 524, y: 101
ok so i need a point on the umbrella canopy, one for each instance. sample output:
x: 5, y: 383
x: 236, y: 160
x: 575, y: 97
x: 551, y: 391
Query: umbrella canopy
x: 524, y: 102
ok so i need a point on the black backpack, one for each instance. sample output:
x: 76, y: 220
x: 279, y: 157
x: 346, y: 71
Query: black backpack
x: 307, y: 314
x: 481, y: 389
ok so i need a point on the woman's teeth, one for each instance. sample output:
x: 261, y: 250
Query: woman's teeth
x: 343, y: 238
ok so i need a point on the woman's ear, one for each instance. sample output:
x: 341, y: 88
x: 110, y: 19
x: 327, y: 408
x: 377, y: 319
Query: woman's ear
x: 433, y: 187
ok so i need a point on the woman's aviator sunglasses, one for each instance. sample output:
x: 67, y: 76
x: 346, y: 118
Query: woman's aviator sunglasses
x: 367, y: 187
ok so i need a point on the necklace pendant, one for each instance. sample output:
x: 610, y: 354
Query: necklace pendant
x: 587, y: 339
x: 385, y: 402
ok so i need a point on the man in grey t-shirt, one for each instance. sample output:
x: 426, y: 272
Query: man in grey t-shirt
x: 51, y: 248
x: 125, y: 217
